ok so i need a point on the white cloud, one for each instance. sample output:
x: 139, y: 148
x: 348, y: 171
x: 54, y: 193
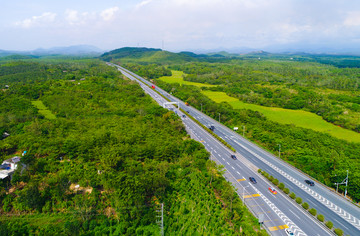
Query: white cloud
x: 352, y: 19
x: 109, y: 13
x: 143, y: 3
x: 45, y: 18
x: 72, y: 16
x: 183, y: 24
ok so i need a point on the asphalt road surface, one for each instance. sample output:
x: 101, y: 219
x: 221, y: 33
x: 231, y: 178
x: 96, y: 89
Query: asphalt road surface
x: 278, y: 210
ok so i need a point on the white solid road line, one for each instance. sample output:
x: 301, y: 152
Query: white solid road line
x: 294, y: 214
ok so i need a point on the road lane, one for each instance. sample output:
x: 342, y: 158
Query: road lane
x: 278, y: 214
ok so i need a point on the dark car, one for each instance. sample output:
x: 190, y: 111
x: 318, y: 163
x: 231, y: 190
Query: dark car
x: 252, y: 180
x: 309, y: 182
x: 233, y: 157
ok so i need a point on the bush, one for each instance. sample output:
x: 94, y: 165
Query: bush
x: 313, y: 211
x: 338, y: 232
x: 275, y: 181
x: 321, y: 218
x: 266, y: 175
x: 292, y: 195
x: 298, y: 200
x: 271, y: 178
x: 305, y: 205
x: 286, y: 190
x: 329, y: 224
x: 260, y: 171
x: 281, y: 186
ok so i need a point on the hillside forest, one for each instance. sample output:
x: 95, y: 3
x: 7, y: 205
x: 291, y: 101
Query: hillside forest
x: 102, y: 157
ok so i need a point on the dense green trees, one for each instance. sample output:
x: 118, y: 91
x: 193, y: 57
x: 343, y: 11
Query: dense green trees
x: 288, y: 84
x: 315, y: 153
x: 107, y: 161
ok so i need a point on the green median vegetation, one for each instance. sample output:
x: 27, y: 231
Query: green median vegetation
x: 315, y: 153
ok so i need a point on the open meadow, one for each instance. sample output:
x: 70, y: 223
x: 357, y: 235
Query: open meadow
x: 177, y: 77
x: 299, y: 118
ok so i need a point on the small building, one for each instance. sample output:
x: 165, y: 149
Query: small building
x: 8, y: 167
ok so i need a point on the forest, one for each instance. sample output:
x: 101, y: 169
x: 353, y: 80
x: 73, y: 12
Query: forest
x: 328, y: 91
x: 107, y: 160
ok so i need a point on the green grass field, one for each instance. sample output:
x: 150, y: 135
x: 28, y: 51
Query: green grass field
x: 286, y: 116
x: 43, y: 109
x: 177, y: 77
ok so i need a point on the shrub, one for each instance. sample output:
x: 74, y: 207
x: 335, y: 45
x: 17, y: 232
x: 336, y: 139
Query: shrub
x: 292, y: 195
x: 286, y: 190
x: 329, y: 224
x: 271, y: 178
x: 338, y: 232
x: 298, y: 200
x: 281, y: 186
x: 305, y: 205
x: 266, y: 175
x: 312, y: 211
x: 275, y: 181
x: 260, y: 171
x: 321, y: 218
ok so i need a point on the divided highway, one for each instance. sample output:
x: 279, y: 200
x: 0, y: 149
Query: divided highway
x: 336, y: 209
x: 278, y: 211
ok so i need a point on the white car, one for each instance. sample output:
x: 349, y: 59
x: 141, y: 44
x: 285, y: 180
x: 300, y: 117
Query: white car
x: 289, y: 232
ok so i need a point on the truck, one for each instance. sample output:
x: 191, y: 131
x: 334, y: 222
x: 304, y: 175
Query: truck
x: 186, y: 103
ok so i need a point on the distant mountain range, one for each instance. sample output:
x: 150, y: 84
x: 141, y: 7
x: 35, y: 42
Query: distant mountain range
x: 77, y: 50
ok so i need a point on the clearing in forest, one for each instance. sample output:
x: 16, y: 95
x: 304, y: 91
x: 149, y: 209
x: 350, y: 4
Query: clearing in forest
x: 299, y: 118
x: 177, y: 77
x: 43, y: 110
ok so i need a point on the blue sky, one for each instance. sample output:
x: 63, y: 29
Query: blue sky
x: 180, y: 24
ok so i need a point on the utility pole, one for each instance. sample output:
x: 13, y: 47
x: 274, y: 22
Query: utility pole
x: 160, y: 222
x: 279, y: 150
x: 346, y: 181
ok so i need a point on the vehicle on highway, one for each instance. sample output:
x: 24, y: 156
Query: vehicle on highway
x: 233, y: 157
x: 252, y: 180
x: 289, y: 232
x: 309, y: 182
x: 183, y: 116
x: 272, y: 190
x: 186, y: 103
x: 211, y: 127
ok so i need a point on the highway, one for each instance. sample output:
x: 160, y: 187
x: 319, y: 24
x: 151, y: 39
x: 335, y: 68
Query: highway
x: 336, y: 209
x: 278, y: 210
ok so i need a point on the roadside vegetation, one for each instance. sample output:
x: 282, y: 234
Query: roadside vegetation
x: 299, y: 118
x: 299, y: 201
x: 318, y: 154
x: 107, y: 161
x: 324, y: 157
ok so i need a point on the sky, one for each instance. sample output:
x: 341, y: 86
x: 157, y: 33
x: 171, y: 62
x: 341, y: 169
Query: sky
x: 177, y: 25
